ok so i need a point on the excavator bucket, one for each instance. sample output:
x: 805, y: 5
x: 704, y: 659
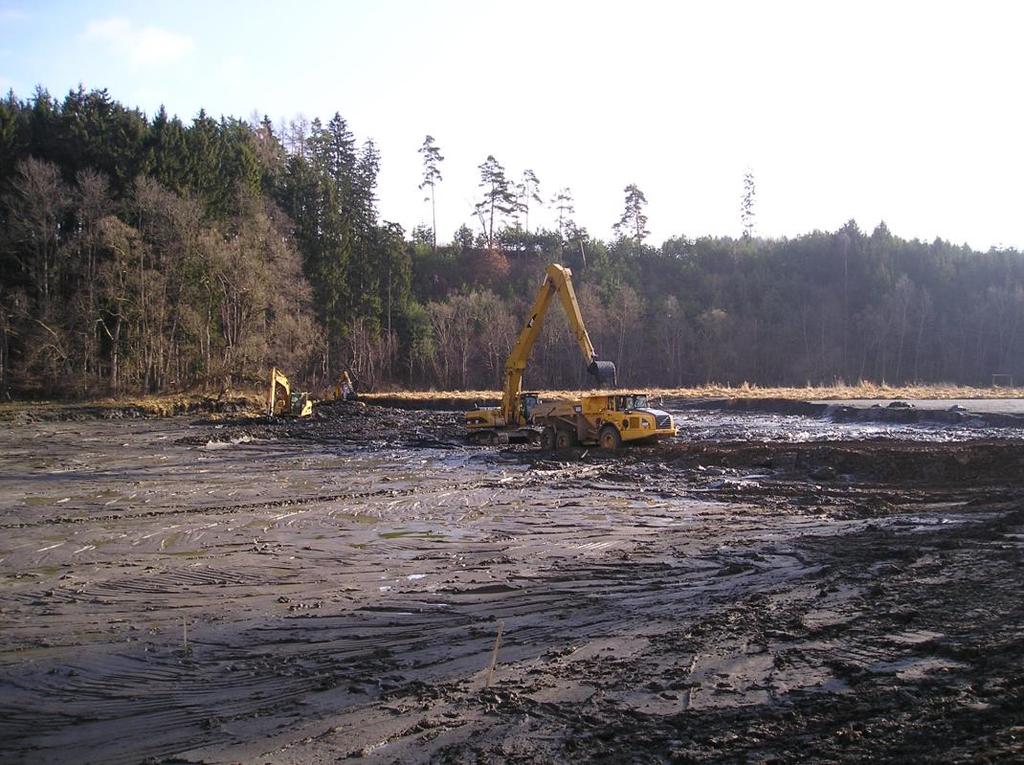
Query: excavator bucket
x: 603, y: 372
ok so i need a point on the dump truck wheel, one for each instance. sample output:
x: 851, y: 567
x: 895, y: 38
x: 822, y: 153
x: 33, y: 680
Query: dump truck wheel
x: 547, y: 438
x: 609, y: 438
x: 564, y: 439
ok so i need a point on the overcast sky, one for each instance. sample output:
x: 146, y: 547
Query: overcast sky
x: 905, y: 112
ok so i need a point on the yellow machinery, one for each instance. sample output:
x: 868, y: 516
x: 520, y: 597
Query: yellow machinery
x: 344, y: 389
x: 512, y: 420
x: 282, y: 401
x: 604, y: 419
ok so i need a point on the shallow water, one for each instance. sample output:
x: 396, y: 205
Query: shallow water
x: 702, y: 425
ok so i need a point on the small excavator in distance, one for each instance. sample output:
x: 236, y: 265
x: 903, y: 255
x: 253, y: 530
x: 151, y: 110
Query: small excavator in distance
x: 512, y: 421
x: 282, y: 400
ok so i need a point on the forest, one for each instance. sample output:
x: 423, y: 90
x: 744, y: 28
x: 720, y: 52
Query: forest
x: 148, y: 254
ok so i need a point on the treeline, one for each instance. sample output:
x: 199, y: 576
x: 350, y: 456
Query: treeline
x: 150, y: 255
x: 145, y: 254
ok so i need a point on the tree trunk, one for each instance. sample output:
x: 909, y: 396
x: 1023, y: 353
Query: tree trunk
x: 433, y: 217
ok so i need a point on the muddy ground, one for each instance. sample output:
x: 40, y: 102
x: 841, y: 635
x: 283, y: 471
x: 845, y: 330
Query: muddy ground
x: 766, y: 588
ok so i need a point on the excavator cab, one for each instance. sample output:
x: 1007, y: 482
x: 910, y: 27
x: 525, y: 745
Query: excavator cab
x: 344, y: 388
x: 528, y: 402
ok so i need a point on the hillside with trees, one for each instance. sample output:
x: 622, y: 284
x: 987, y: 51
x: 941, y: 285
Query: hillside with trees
x: 147, y: 254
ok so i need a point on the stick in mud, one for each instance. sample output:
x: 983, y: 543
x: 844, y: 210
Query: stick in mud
x: 184, y: 634
x: 494, y: 655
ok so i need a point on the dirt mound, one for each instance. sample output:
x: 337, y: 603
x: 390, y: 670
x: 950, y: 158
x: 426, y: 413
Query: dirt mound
x: 973, y: 462
x: 343, y: 422
x: 131, y: 409
x: 895, y: 412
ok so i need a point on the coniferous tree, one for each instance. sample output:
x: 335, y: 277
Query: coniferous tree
x: 498, y: 199
x: 150, y: 254
x: 527, y: 190
x: 432, y: 159
x: 167, y: 152
x: 633, y: 223
x: 566, y: 208
x: 747, y: 204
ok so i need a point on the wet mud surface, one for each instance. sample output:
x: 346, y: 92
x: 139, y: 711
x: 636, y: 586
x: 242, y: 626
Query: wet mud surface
x: 189, y: 590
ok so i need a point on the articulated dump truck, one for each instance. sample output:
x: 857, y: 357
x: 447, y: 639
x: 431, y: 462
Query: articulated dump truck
x: 608, y: 419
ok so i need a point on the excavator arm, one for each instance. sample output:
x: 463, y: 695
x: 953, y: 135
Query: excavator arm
x: 557, y: 281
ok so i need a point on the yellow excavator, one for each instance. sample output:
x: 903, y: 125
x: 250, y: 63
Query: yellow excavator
x: 282, y: 400
x: 605, y: 419
x: 512, y: 421
x: 344, y: 388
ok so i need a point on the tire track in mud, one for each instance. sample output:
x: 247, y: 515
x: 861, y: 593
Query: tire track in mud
x: 596, y: 602
x: 327, y: 651
x: 542, y: 611
x: 895, y: 675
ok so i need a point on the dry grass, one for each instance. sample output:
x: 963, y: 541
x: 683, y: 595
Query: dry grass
x: 835, y: 392
x: 845, y: 392
x: 253, y: 401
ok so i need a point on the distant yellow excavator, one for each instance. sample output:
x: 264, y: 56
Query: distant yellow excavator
x: 344, y: 388
x: 281, y: 400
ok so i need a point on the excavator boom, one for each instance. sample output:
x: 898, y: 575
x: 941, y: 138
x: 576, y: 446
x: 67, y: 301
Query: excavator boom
x: 557, y: 281
x: 603, y: 418
x: 512, y: 413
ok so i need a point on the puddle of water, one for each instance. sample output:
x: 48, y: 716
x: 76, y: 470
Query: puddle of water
x: 48, y: 570
x: 358, y: 517
x: 698, y: 425
x: 170, y: 540
x: 411, y: 533
x: 915, y: 668
x: 212, y: 445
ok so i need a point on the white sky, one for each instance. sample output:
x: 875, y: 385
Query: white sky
x: 909, y: 112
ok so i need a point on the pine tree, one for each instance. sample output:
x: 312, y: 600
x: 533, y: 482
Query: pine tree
x: 432, y: 158
x: 633, y: 223
x: 528, y: 188
x: 747, y: 204
x: 563, y: 203
x: 498, y: 198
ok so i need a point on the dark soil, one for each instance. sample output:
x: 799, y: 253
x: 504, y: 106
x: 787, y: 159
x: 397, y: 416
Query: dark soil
x: 296, y: 591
